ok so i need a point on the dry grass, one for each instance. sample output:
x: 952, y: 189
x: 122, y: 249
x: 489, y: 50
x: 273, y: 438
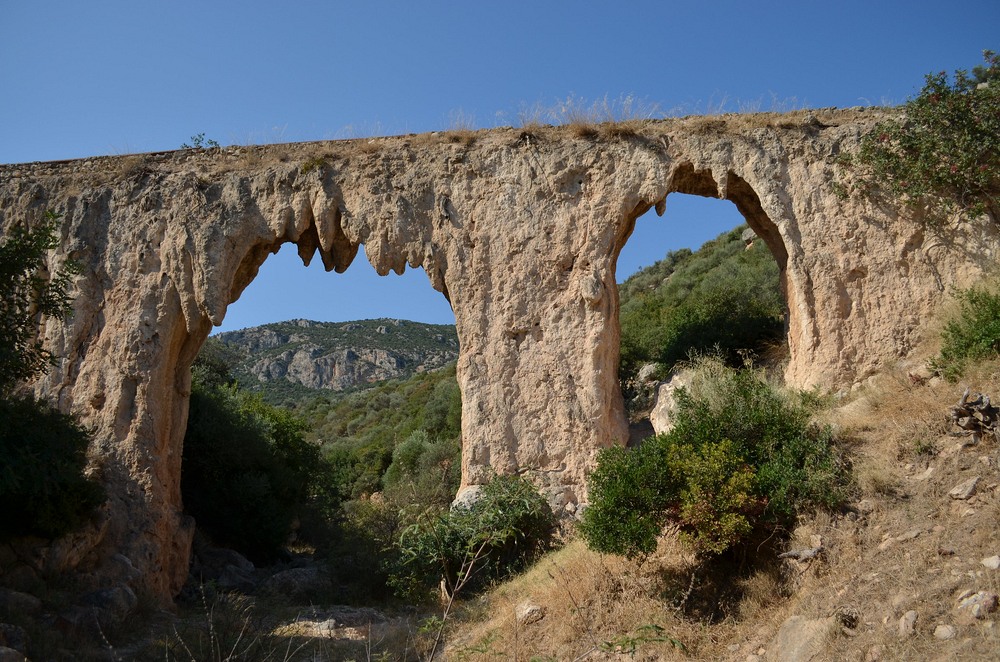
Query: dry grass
x: 903, y: 544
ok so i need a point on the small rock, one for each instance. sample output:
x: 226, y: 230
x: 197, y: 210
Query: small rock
x: 11, y: 655
x: 978, y: 605
x: 528, y: 613
x: 993, y: 562
x: 909, y: 535
x: 963, y: 491
x: 945, y: 632
x: 865, y: 507
x: 297, y: 584
x: 874, y: 654
x: 13, y: 636
x: 15, y: 602
x: 907, y: 624
x: 800, y: 639
x: 112, y: 603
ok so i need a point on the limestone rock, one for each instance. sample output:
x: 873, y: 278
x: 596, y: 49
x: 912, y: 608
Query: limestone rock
x: 15, y: 602
x: 945, y: 632
x: 528, y: 613
x: 977, y: 606
x: 800, y: 639
x: 907, y: 624
x: 664, y: 410
x: 965, y: 489
x: 992, y: 562
x: 11, y: 655
x: 298, y: 584
x: 521, y: 237
x: 13, y: 636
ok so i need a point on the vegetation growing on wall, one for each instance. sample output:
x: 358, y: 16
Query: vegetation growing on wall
x: 43, y: 452
x: 943, y: 155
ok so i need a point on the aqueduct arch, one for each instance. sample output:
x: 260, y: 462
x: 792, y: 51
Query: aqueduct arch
x: 521, y: 231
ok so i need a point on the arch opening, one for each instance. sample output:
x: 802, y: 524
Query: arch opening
x: 273, y: 292
x: 714, y: 284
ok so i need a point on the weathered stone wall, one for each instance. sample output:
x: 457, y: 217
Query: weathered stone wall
x: 520, y: 231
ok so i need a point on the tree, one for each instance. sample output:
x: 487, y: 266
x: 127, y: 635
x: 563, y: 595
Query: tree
x: 43, y: 452
x: 943, y: 155
x: 26, y: 292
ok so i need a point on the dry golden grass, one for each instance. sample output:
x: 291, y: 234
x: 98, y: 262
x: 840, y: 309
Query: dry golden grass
x: 907, y: 546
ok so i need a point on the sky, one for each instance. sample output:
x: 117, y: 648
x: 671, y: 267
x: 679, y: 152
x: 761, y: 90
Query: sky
x: 80, y: 79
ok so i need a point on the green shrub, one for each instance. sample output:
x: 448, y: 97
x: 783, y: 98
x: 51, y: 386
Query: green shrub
x: 247, y: 469
x: 43, y: 490
x: 723, y: 297
x: 944, y: 155
x: 27, y: 291
x: 973, y: 333
x: 740, y: 461
x: 508, y: 526
x: 43, y: 453
x: 423, y: 471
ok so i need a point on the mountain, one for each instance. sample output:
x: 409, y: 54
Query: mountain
x: 290, y: 361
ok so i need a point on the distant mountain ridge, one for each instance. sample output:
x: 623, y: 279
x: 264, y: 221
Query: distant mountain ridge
x: 297, y: 358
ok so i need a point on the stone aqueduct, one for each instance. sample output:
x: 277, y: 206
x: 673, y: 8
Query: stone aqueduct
x: 519, y: 229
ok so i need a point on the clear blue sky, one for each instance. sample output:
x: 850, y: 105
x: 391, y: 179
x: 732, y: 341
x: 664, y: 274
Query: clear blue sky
x: 89, y: 78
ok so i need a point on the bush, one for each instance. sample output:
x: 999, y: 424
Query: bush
x: 506, y: 528
x: 27, y: 291
x: 43, y: 453
x: 973, y: 333
x: 247, y: 470
x: 42, y: 486
x: 740, y: 461
x: 723, y: 297
x: 944, y: 155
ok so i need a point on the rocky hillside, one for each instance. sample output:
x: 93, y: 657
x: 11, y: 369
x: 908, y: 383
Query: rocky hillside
x: 289, y: 360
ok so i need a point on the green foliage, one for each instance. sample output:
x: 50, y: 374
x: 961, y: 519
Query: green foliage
x: 43, y: 490
x: 973, y: 334
x: 248, y: 470
x: 722, y: 297
x: 740, y: 461
x: 629, y: 644
x: 507, y: 527
x: 43, y: 453
x: 424, y: 470
x: 944, y: 155
x: 360, y: 432
x: 198, y: 141
x: 27, y: 290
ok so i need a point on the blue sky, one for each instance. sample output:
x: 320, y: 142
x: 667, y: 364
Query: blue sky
x: 90, y: 78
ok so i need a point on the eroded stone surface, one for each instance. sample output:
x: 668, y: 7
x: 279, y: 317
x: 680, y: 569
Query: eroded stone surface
x: 520, y: 232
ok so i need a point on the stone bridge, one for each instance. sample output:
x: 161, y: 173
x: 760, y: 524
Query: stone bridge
x: 520, y: 230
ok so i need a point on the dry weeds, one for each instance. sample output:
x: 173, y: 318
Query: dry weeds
x: 902, y: 544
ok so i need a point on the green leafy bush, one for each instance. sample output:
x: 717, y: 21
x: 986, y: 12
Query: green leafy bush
x: 27, y: 290
x: 740, y: 461
x: 43, y: 490
x: 43, y: 452
x: 972, y: 334
x: 723, y: 297
x: 507, y: 527
x: 247, y: 469
x: 944, y: 154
